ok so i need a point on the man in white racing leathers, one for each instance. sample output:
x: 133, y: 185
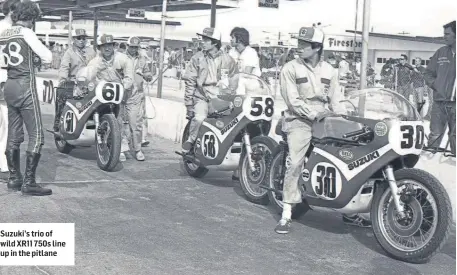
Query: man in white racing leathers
x: 307, y: 86
x: 134, y: 107
x: 205, y: 71
x: 22, y: 51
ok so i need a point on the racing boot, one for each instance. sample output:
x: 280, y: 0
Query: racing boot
x: 30, y: 187
x: 13, y: 158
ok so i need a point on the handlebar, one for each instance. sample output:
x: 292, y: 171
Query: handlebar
x: 363, y: 131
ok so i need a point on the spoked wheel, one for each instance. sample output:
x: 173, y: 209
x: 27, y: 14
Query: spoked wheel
x: 250, y: 181
x: 426, y: 226
x: 109, y: 150
x: 275, y: 180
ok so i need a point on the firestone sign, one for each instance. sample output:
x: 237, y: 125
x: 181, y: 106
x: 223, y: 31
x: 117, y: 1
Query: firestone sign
x: 342, y: 43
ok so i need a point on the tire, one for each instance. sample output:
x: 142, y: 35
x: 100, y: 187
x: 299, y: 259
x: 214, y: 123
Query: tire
x: 115, y: 142
x: 246, y: 175
x: 62, y: 146
x: 277, y: 159
x: 189, y: 167
x: 443, y: 223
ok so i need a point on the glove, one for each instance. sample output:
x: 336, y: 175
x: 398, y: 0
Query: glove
x: 327, y: 113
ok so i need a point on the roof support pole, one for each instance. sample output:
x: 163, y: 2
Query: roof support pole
x: 363, y: 66
x: 95, y: 29
x: 213, y: 13
x: 70, y: 27
x: 162, y: 48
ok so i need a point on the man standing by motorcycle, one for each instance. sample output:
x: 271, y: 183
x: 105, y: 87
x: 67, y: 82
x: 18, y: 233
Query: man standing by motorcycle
x: 134, y: 106
x: 77, y: 56
x: 308, y: 85
x: 22, y: 49
x: 205, y: 71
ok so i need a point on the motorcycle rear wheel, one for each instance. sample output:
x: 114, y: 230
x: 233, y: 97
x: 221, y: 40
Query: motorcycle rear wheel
x: 191, y: 168
x: 111, y: 143
x: 62, y: 146
x: 385, y: 222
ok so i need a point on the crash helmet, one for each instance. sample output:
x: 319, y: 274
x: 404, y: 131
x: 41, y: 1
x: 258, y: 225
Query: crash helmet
x: 133, y: 41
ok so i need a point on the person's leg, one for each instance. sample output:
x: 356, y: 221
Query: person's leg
x: 30, y: 111
x: 3, y: 136
x: 451, y: 123
x: 438, y: 123
x: 135, y: 119
x: 200, y: 114
x: 298, y: 140
x: 12, y: 151
x: 123, y: 126
x: 144, y: 132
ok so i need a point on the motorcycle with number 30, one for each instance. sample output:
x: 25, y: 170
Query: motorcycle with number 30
x: 235, y: 134
x: 364, y: 162
x: 89, y: 117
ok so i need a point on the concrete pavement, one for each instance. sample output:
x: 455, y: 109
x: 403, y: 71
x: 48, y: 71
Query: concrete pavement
x: 151, y: 218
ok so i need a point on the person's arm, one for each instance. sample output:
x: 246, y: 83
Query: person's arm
x: 290, y: 93
x: 190, y: 80
x: 65, y: 66
x: 430, y: 71
x: 37, y: 47
x: 128, y: 72
x: 336, y: 95
x: 147, y: 75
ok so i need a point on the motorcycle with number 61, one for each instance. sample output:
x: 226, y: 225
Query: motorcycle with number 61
x: 89, y: 117
x: 364, y: 163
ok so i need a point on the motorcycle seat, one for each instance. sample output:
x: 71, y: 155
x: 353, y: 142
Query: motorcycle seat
x: 334, y: 127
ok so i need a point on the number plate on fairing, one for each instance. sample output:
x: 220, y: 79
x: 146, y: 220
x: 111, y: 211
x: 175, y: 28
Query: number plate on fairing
x: 407, y: 137
x: 210, y: 145
x: 109, y: 92
x: 326, y: 181
x: 259, y: 107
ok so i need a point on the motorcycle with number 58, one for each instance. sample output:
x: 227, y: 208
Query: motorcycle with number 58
x: 235, y: 134
x: 363, y: 163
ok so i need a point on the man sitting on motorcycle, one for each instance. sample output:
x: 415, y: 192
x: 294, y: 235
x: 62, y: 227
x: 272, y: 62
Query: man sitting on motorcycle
x: 205, y: 71
x: 308, y: 86
x: 76, y: 57
x: 134, y: 106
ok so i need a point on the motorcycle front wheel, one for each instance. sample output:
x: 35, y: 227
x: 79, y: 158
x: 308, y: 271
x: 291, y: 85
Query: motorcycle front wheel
x: 426, y: 226
x: 109, y: 150
x: 262, y: 148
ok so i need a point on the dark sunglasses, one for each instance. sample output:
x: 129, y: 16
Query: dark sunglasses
x: 80, y: 38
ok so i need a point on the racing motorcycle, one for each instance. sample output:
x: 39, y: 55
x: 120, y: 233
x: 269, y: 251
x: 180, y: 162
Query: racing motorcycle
x: 89, y: 117
x: 363, y: 163
x: 235, y: 135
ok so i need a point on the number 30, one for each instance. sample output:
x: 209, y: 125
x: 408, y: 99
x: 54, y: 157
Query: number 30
x: 408, y: 136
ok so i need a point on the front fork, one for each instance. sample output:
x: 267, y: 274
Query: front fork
x: 97, y: 125
x: 390, y: 177
x: 247, y: 145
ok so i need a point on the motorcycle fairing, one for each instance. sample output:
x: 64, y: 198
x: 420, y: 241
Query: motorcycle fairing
x: 77, y: 112
x: 217, y: 135
x: 332, y: 179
